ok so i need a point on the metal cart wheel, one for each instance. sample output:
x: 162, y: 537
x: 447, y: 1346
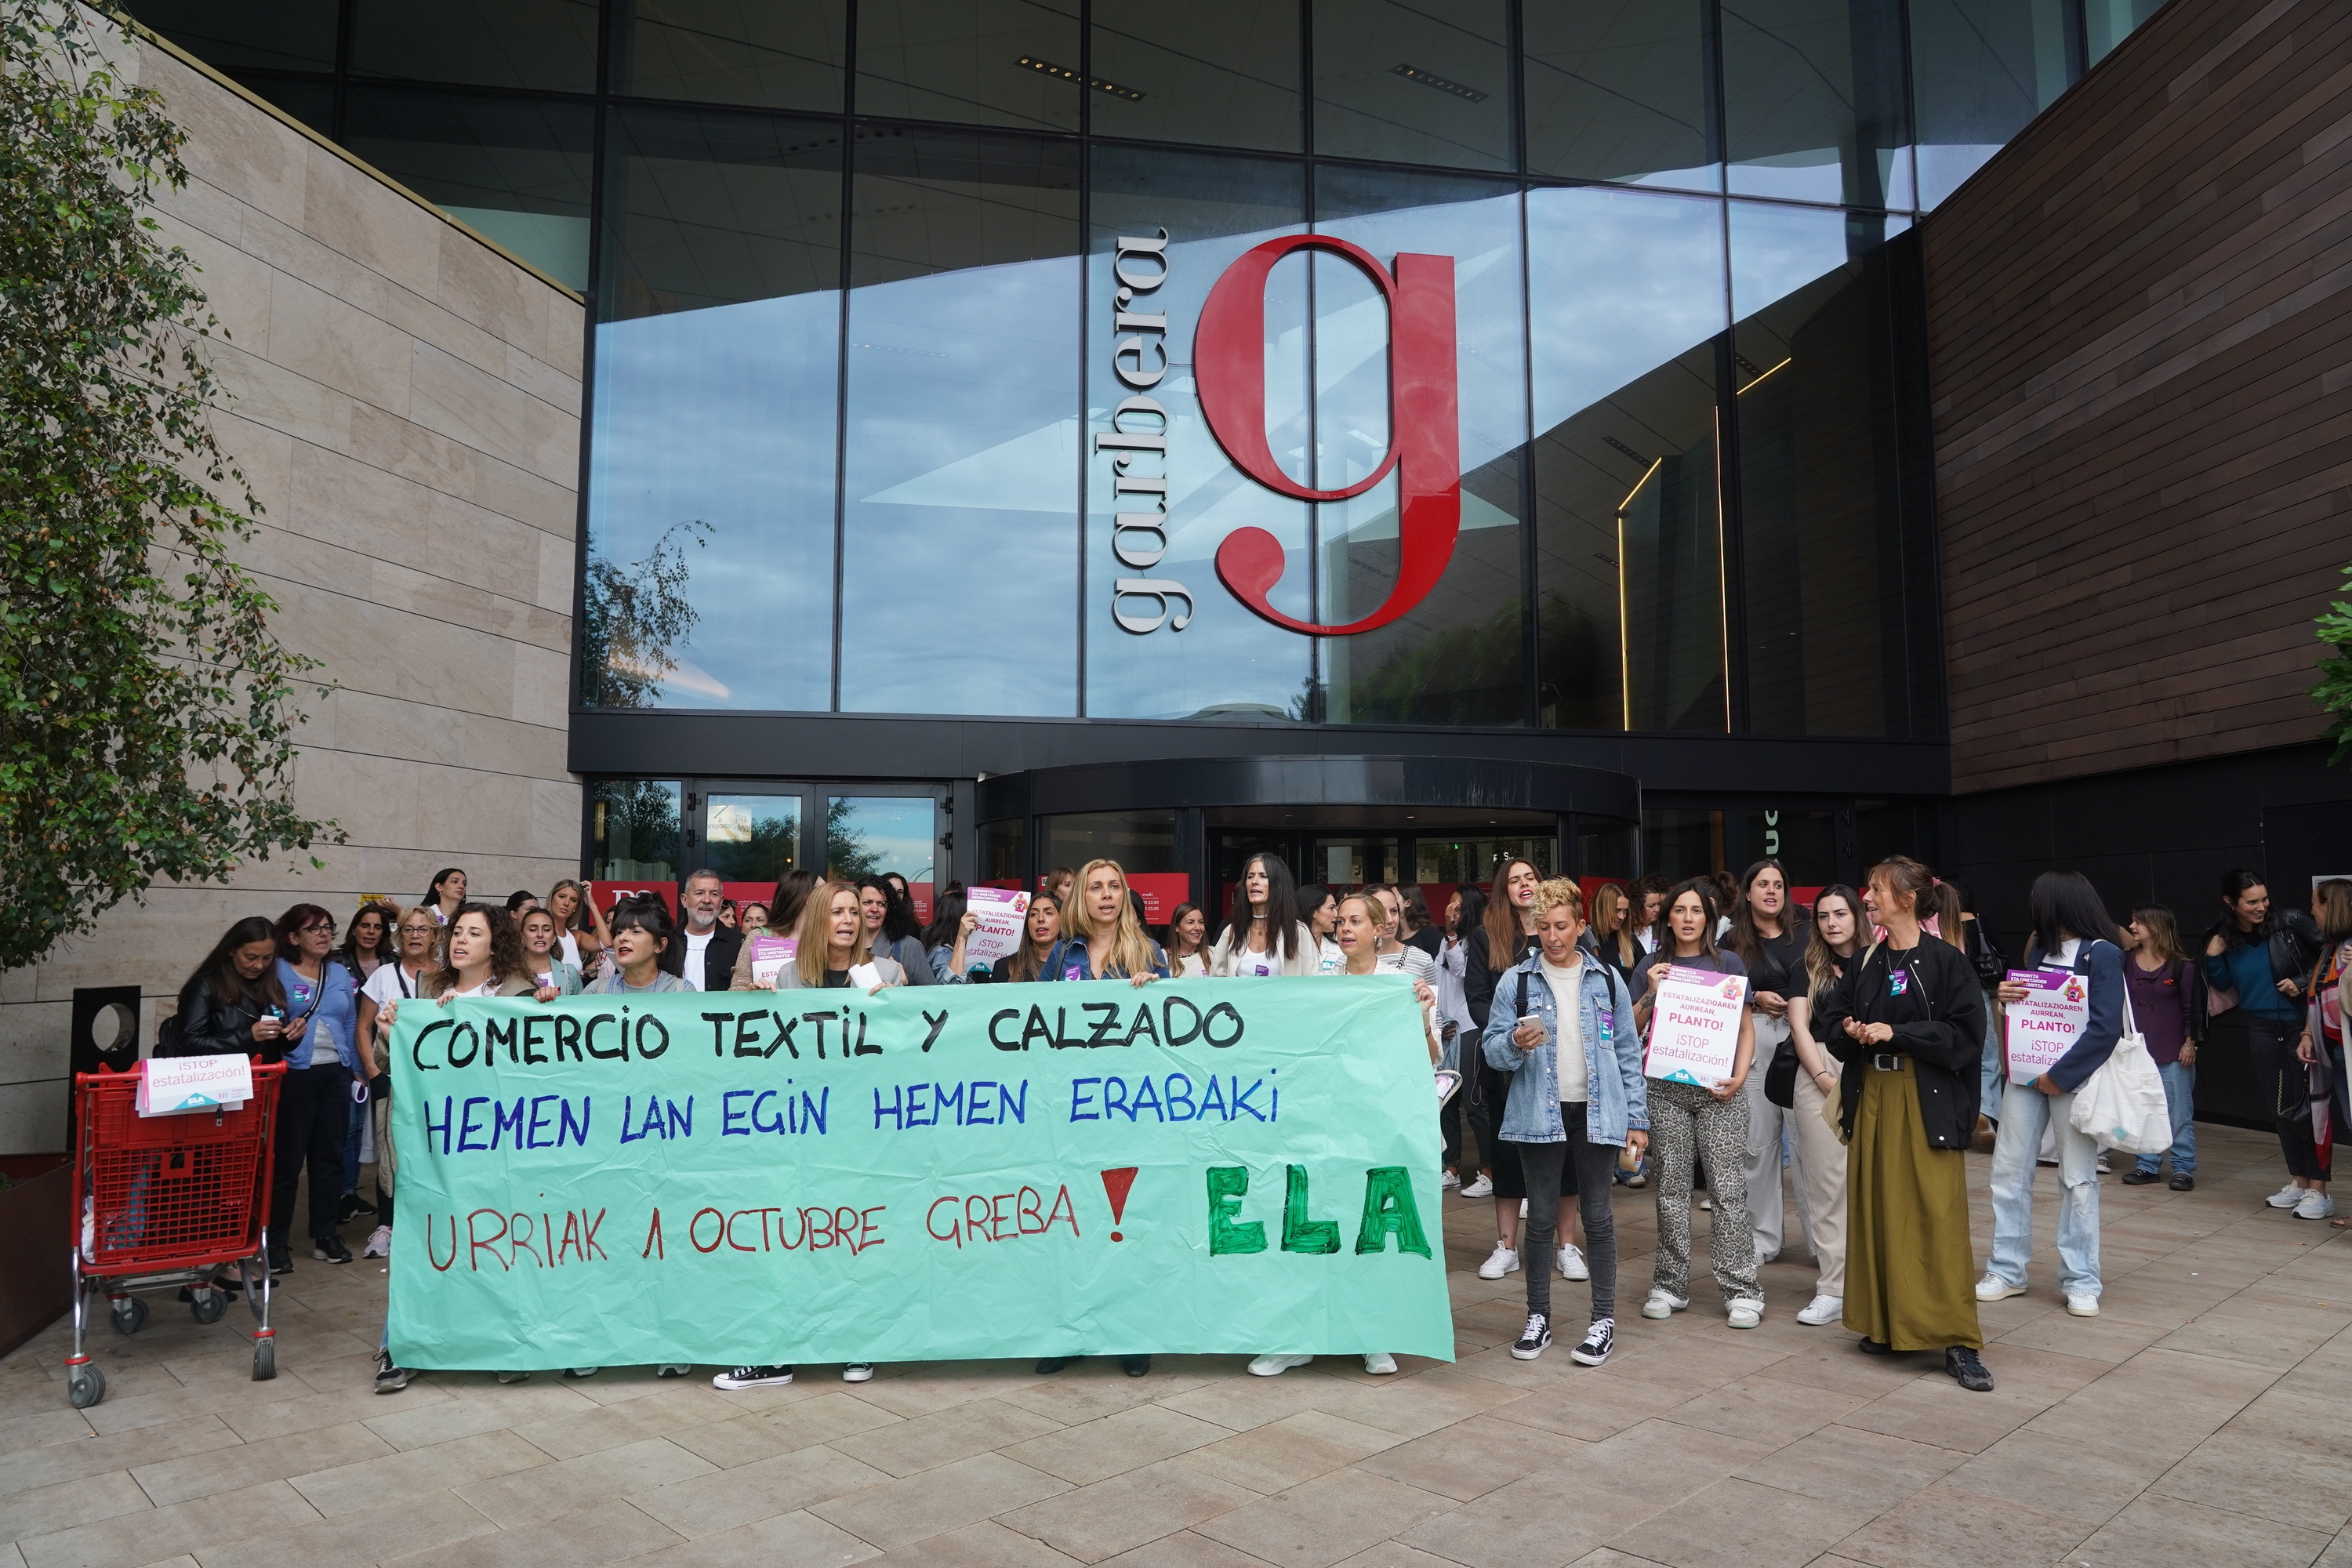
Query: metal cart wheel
x: 265, y: 1359
x: 130, y: 1315
x: 206, y: 1305
x: 85, y: 1385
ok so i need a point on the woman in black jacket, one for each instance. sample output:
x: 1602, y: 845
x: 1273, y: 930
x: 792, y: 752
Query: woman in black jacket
x: 1907, y: 1020
x: 232, y: 1005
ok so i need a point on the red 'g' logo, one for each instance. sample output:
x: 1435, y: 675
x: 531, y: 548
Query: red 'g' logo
x: 1424, y: 443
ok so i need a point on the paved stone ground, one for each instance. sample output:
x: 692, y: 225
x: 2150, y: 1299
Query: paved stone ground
x: 2205, y: 1417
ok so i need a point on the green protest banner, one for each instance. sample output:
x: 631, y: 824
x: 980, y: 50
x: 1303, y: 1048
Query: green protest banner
x: 951, y: 1172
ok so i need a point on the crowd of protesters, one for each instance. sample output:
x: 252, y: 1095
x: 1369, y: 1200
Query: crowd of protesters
x: 1869, y: 1060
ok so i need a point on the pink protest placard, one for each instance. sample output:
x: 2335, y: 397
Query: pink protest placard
x: 1694, y: 1027
x: 1003, y: 912
x: 2045, y: 1025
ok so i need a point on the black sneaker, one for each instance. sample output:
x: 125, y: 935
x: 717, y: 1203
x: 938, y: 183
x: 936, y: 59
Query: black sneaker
x: 1048, y: 1365
x: 390, y: 1379
x: 330, y: 1249
x: 2139, y: 1178
x: 1534, y: 1340
x: 1135, y: 1365
x: 1873, y: 1347
x: 351, y: 1207
x: 1598, y: 1341
x: 753, y: 1377
x: 1967, y: 1369
x: 2184, y: 1184
x: 281, y: 1261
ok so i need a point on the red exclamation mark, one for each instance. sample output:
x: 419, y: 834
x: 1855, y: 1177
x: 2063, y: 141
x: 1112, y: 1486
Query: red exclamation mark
x: 1115, y: 1186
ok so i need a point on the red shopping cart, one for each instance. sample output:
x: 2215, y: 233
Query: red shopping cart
x: 162, y: 1202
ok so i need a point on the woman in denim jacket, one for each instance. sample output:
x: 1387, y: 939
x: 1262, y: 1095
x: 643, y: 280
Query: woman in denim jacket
x: 1576, y: 1093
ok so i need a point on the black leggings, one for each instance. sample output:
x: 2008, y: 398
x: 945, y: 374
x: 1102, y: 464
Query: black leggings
x: 1596, y: 1168
x: 314, y: 1118
x: 2284, y: 1084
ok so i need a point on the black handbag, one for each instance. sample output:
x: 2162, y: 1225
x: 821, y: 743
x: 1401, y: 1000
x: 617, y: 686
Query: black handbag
x: 1780, y: 1077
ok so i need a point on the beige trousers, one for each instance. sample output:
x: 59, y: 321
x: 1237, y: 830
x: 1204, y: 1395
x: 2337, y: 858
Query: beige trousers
x: 1821, y: 1167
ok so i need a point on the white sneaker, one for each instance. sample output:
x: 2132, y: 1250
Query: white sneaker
x: 1746, y: 1313
x: 2104, y: 1168
x: 379, y: 1243
x: 1481, y: 1186
x: 1993, y: 1288
x: 1572, y: 1264
x: 1499, y: 1262
x: 2287, y: 1197
x: 857, y: 1372
x: 1823, y: 1309
x: 1664, y: 1303
x: 1449, y: 1181
x: 1276, y: 1366
x: 1707, y: 1203
x: 2316, y: 1205
x: 2083, y: 1306
x: 1380, y: 1363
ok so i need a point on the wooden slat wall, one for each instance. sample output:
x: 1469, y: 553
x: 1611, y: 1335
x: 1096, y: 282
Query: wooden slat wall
x: 2140, y: 335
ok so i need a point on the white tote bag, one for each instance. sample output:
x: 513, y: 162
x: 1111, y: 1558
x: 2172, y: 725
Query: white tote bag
x: 2122, y: 1104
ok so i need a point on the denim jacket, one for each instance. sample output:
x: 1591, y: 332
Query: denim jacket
x: 1614, y: 1101
x: 1070, y: 960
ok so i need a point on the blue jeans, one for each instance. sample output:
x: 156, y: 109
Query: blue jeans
x: 2023, y: 1113
x: 2180, y: 1099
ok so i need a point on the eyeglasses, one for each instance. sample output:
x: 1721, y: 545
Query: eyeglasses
x: 320, y: 925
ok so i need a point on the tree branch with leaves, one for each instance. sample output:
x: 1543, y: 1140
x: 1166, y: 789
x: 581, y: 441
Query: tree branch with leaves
x: 2333, y: 692
x: 147, y: 711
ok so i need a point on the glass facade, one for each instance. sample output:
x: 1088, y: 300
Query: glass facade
x: 898, y: 379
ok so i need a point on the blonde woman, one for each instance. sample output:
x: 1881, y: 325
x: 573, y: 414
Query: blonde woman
x: 1102, y: 936
x: 1102, y: 939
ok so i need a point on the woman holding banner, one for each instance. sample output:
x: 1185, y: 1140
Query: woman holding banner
x: 832, y: 935
x: 1270, y: 938
x: 1907, y: 1021
x: 2073, y: 935
x: 1362, y: 919
x: 1103, y: 939
x: 1688, y: 1112
x: 1567, y: 1040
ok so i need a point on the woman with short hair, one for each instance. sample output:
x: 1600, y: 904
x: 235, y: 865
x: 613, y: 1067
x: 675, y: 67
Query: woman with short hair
x: 1906, y: 1020
x: 1567, y: 1040
x: 1710, y: 1119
